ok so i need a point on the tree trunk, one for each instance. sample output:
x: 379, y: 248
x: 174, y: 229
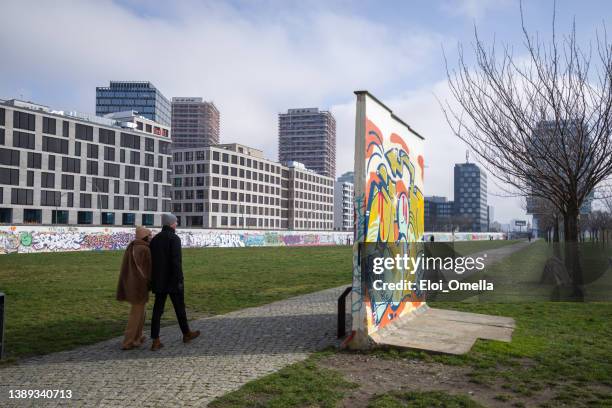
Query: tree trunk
x: 555, y: 229
x: 570, y: 225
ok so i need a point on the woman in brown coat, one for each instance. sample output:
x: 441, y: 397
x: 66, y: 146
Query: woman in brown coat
x: 134, y: 286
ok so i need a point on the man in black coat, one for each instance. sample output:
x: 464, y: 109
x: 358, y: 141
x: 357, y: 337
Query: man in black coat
x: 167, y: 280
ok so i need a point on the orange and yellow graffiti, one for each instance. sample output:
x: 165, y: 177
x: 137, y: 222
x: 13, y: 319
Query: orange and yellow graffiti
x: 394, y: 209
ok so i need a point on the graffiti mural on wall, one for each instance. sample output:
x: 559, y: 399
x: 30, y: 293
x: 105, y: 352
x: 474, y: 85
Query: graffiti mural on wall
x: 389, y: 208
x: 24, y: 239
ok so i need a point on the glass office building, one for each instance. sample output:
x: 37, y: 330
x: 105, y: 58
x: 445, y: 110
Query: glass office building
x: 140, y: 96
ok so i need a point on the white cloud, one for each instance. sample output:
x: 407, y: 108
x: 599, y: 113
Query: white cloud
x: 251, y: 66
x: 421, y: 110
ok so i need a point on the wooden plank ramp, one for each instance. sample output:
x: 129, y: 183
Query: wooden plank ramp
x: 444, y: 331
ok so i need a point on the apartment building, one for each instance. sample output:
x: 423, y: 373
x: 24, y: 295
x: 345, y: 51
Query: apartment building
x: 308, y: 136
x: 235, y: 186
x: 69, y: 168
x: 344, y: 192
x: 195, y: 123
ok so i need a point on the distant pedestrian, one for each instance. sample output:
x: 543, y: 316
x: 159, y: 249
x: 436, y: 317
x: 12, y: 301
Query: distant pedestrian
x: 167, y: 280
x: 133, y: 286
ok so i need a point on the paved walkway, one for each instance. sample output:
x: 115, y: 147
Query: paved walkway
x: 234, y: 348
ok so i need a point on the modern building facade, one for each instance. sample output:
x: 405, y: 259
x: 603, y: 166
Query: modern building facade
x: 68, y: 168
x: 471, y: 197
x: 438, y: 214
x: 195, y: 123
x: 140, y: 96
x: 343, y: 205
x: 234, y: 186
x: 308, y: 136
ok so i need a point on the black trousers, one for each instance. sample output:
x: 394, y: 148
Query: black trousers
x: 178, y: 302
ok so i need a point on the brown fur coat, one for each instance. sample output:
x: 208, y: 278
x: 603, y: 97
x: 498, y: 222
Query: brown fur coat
x: 135, y: 273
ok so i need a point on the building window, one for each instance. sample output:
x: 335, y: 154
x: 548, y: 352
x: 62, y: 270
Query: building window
x: 107, y: 218
x: 50, y: 198
x: 83, y: 132
x: 150, y: 204
x: 106, y: 136
x: 130, y: 172
x: 111, y: 170
x: 48, y: 125
x: 22, y: 120
x: 59, y: 217
x: 9, y: 157
x: 85, y: 217
x: 47, y: 180
x: 30, y: 179
x: 92, y: 151
x: 77, y: 148
x: 23, y: 140
x: 31, y: 216
x: 119, y: 203
x: 144, y: 174
x: 34, y: 160
x: 51, y: 162
x: 149, y: 145
x: 55, y: 145
x: 132, y: 188
x: 9, y: 176
x: 6, y: 214
x: 67, y: 182
x: 147, y: 219
x: 65, y: 129
x: 85, y: 201
x: 130, y: 141
x: 2, y: 116
x: 128, y: 218
x: 92, y: 167
x: 134, y: 204
x: 109, y: 153
x: 134, y: 157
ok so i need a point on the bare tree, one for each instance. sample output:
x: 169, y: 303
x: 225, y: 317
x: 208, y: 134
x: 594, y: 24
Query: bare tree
x: 541, y: 124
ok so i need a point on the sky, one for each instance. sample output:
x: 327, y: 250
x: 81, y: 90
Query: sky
x: 254, y: 59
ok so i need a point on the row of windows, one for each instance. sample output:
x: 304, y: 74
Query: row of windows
x: 48, y: 198
x: 34, y: 216
x: 26, y: 121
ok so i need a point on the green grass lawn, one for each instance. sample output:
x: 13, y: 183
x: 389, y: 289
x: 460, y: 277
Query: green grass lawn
x: 563, y: 348
x: 57, y: 301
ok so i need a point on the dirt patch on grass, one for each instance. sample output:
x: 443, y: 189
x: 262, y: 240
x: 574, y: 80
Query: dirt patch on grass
x: 376, y: 375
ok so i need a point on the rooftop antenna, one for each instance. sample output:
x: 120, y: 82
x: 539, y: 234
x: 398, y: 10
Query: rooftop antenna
x: 467, y: 156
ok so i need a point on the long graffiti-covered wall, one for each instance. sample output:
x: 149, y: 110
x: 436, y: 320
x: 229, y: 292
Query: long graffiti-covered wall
x: 25, y: 239
x: 389, y: 208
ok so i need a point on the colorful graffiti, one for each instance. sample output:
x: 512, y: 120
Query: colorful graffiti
x: 389, y: 208
x: 27, y: 239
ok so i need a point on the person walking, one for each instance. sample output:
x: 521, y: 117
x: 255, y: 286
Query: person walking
x: 167, y: 280
x: 133, y: 286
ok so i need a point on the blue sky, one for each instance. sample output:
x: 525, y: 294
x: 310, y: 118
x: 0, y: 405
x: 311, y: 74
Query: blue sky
x: 257, y: 58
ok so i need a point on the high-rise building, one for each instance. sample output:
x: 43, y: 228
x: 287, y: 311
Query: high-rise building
x: 471, y: 197
x: 490, y: 216
x: 68, y: 168
x: 234, y: 186
x: 195, y: 123
x: 139, y: 96
x: 348, y: 177
x: 343, y: 205
x: 308, y: 136
x: 438, y: 214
